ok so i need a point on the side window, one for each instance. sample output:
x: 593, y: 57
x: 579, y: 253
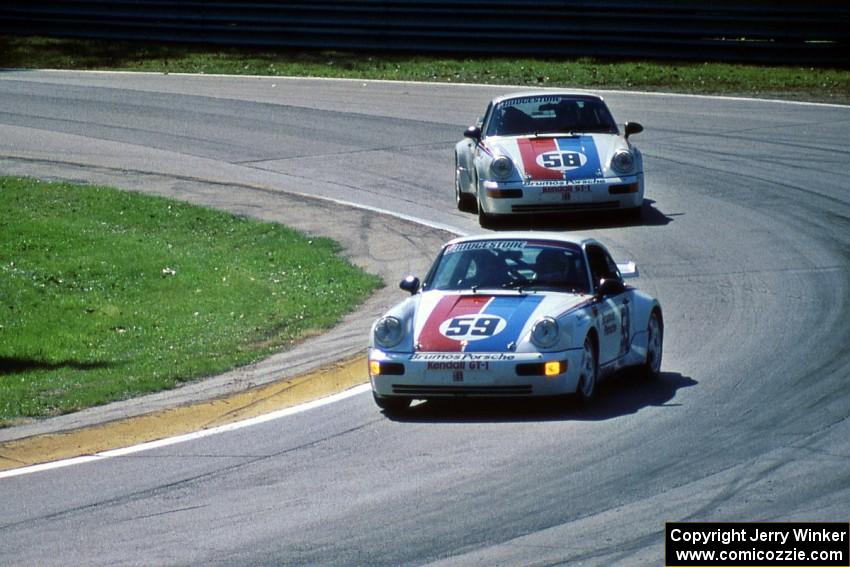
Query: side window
x: 486, y: 118
x: 613, y: 271
x: 601, y: 265
x: 473, y: 269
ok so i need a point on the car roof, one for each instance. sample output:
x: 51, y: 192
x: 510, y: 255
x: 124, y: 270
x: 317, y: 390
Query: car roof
x: 540, y: 92
x: 527, y: 235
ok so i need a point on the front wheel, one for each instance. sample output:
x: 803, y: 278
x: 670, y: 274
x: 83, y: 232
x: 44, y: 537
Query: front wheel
x: 589, y: 372
x: 465, y: 201
x: 651, y: 369
x: 486, y: 220
x: 391, y: 404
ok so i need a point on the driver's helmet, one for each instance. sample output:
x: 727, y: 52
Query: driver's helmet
x: 567, y: 113
x: 490, y: 269
x: 551, y: 267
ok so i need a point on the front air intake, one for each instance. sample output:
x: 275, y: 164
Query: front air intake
x: 429, y: 391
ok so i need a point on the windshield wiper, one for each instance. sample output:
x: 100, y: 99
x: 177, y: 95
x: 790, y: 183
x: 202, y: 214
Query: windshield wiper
x: 518, y: 285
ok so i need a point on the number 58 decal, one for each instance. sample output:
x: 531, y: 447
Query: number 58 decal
x: 472, y: 327
x: 562, y: 161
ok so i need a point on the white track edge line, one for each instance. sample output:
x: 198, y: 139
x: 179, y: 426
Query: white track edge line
x: 416, y: 220
x: 446, y: 84
x: 351, y: 392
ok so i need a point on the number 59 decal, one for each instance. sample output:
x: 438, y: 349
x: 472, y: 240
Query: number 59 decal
x: 472, y: 327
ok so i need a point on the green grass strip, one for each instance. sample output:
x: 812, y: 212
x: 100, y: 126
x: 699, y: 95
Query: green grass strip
x: 106, y: 294
x: 765, y: 81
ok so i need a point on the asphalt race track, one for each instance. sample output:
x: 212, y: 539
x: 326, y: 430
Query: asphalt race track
x: 745, y: 240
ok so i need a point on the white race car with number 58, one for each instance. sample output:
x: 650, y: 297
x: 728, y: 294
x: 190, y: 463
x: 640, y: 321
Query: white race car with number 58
x: 517, y: 314
x: 547, y: 152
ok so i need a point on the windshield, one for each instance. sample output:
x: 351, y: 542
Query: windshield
x: 510, y: 264
x: 550, y: 114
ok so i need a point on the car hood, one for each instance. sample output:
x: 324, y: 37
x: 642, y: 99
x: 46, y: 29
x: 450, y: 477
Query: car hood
x: 483, y: 322
x: 558, y: 158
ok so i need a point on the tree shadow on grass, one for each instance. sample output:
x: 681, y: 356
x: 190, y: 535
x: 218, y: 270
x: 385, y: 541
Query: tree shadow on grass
x: 13, y: 365
x: 17, y: 52
x: 67, y: 51
x: 623, y: 393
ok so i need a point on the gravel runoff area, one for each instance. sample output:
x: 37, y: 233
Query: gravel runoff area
x: 381, y: 244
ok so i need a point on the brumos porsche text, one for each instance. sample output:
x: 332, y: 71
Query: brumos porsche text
x: 461, y: 356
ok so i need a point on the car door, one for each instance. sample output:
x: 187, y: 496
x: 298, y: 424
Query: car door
x: 613, y: 309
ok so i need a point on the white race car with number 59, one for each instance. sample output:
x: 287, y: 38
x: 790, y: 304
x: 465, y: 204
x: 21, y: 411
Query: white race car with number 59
x: 547, y: 152
x: 517, y: 314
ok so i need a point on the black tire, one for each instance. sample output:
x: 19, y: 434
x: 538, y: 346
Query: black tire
x: 484, y: 219
x: 465, y: 201
x: 589, y: 378
x: 487, y: 221
x: 391, y: 404
x: 651, y: 369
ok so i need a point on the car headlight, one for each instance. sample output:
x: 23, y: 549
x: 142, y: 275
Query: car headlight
x: 501, y: 167
x: 623, y: 161
x: 388, y: 332
x: 544, y: 333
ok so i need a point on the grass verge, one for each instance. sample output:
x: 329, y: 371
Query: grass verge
x: 786, y: 82
x: 106, y: 294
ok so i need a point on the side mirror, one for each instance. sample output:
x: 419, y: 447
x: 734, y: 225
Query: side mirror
x: 410, y: 284
x: 610, y: 287
x: 628, y: 270
x: 473, y: 132
x: 633, y: 128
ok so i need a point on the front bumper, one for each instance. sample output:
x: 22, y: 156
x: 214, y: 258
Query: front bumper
x: 609, y: 193
x: 459, y: 374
